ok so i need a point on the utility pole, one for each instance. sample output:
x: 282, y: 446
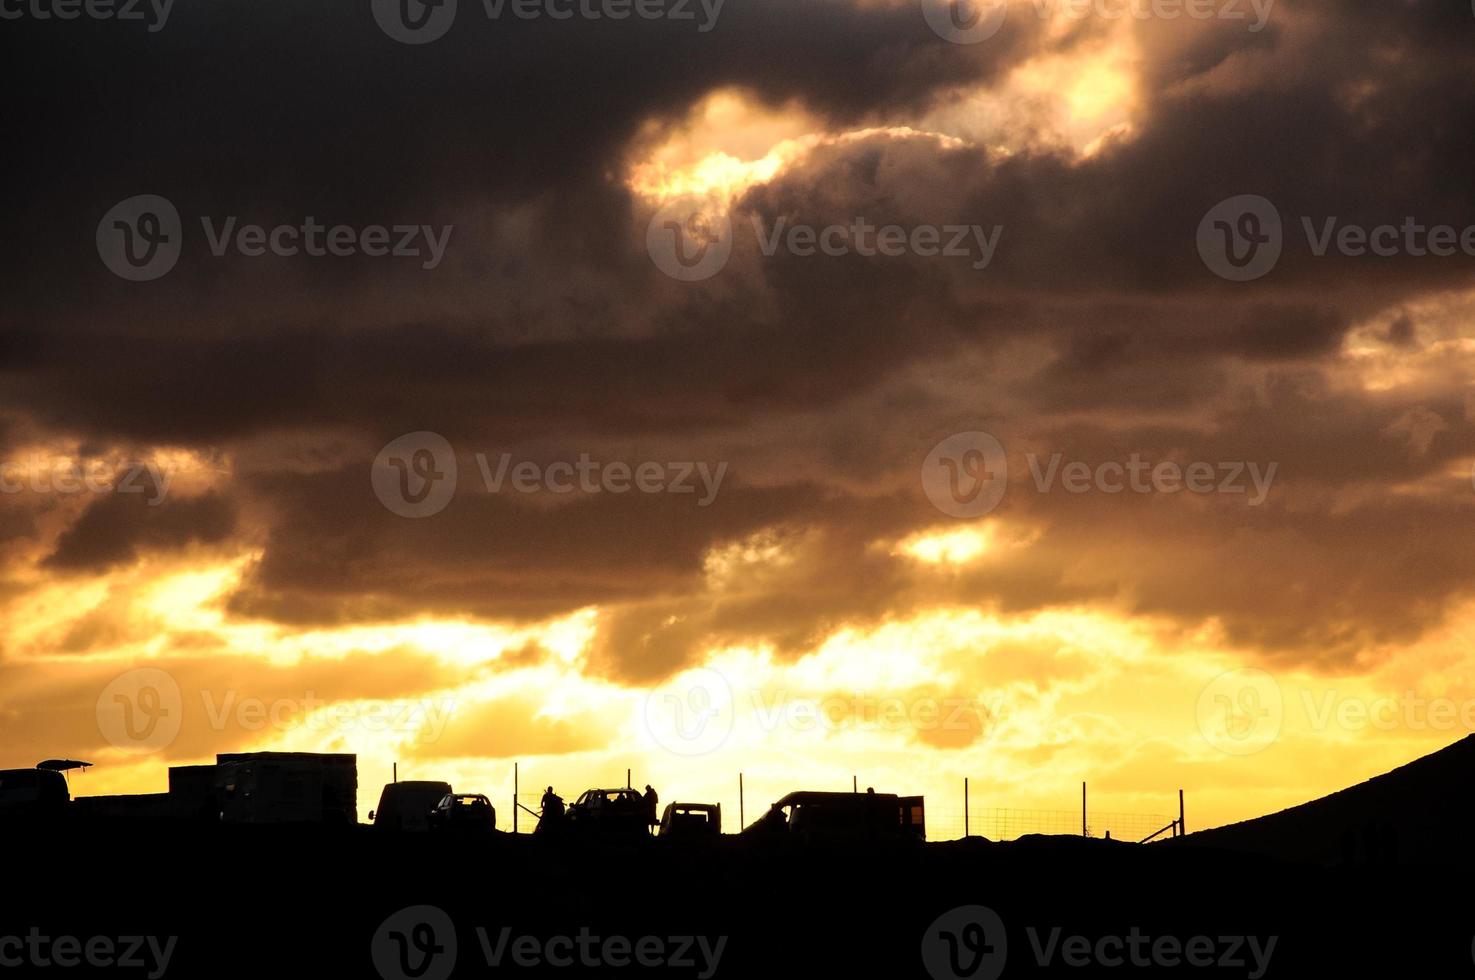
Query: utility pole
x: 514, y: 797
x: 741, y: 823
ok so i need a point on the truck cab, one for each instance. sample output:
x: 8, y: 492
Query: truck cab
x: 692, y: 821
x: 33, y: 792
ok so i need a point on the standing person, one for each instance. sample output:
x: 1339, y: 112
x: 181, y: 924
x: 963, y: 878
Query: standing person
x: 651, y: 802
x: 551, y: 816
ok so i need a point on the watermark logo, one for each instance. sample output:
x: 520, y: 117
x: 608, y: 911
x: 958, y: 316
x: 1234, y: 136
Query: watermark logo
x: 692, y: 717
x: 965, y: 943
x: 415, y: 21
x: 140, y: 711
x: 965, y: 21
x: 415, y: 943
x: 140, y: 238
x: 1241, y: 239
x: 1240, y: 712
x: 687, y: 241
x: 966, y: 474
x: 415, y: 475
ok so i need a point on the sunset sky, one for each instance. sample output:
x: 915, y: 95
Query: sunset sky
x: 814, y: 604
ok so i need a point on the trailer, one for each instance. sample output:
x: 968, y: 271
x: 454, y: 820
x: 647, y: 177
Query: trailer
x: 286, y: 787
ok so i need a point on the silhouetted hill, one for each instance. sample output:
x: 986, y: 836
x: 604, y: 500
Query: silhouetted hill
x: 296, y: 901
x: 1418, y: 814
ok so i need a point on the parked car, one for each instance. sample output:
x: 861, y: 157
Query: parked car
x: 407, y: 805
x: 464, y: 813
x: 692, y: 821
x: 610, y: 812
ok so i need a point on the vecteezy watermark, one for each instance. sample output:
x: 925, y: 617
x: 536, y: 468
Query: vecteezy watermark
x: 965, y: 943
x: 839, y: 712
x: 973, y: 21
x: 1405, y: 711
x: 971, y: 943
x: 1243, y: 238
x: 142, y: 711
x: 420, y: 943
x: 689, y: 242
x: 688, y: 239
x: 1140, y: 950
x: 141, y: 238
x: 860, y: 237
x: 965, y: 475
x: 415, y: 475
x: 1240, y: 712
x: 43, y: 474
x: 694, y: 715
x: 591, y: 950
x: 37, y: 950
x: 155, y: 13
x: 415, y: 943
x: 424, y: 21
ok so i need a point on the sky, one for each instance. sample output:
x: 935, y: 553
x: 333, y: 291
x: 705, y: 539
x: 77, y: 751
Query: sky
x: 836, y: 392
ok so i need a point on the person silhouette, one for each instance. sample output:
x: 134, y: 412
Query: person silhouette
x: 552, y: 805
x: 651, y: 802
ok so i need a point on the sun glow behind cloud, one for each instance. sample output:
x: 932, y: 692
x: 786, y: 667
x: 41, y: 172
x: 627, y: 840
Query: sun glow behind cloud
x: 915, y: 704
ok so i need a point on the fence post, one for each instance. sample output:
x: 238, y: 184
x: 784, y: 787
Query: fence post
x: 514, y: 797
x: 1181, y: 829
x: 1083, y: 811
x: 741, y: 823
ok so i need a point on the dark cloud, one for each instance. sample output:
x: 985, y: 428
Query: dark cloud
x: 119, y: 526
x: 1097, y: 329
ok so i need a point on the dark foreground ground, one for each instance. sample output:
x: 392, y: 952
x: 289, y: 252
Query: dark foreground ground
x: 284, y: 903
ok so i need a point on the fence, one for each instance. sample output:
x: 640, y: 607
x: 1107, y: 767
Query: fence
x: 953, y: 823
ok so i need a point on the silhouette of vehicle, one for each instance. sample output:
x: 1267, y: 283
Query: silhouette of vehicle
x: 463, y: 813
x: 286, y: 787
x: 812, y: 816
x: 610, y: 812
x: 406, y: 806
x: 692, y: 821
x: 26, y: 793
